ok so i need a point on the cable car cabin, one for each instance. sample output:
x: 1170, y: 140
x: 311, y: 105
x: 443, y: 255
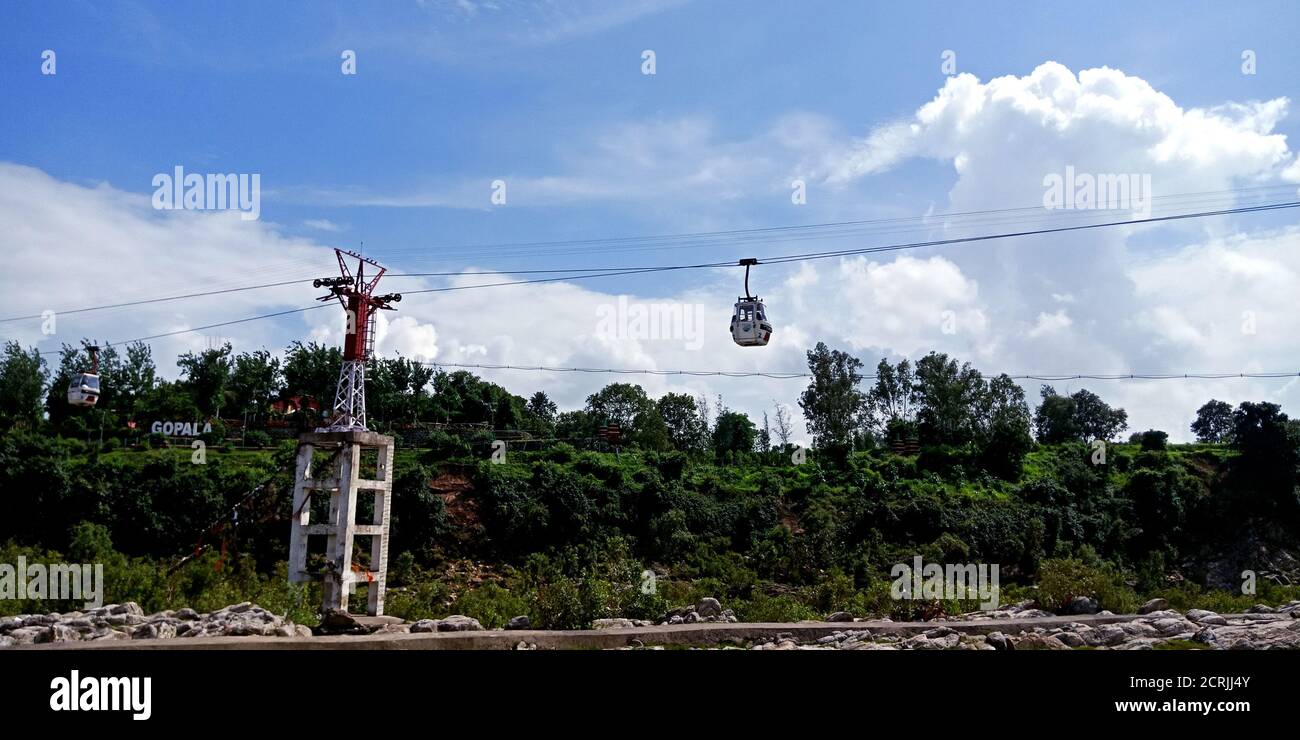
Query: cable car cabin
x: 749, y: 325
x: 84, y: 389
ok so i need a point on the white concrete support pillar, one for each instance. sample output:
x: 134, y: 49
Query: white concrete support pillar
x: 339, y: 575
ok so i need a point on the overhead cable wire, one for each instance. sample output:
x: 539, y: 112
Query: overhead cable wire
x: 584, y: 273
x: 800, y: 375
x: 779, y: 259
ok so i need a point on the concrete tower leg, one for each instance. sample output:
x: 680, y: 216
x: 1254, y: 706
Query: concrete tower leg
x: 341, y: 480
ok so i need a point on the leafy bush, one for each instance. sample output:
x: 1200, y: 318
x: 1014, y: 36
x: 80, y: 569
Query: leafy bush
x: 491, y: 604
x: 1061, y: 580
x: 257, y: 438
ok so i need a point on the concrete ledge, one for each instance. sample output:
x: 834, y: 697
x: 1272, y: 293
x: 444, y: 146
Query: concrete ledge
x: 707, y: 633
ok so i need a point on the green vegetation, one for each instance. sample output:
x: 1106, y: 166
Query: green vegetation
x: 932, y: 460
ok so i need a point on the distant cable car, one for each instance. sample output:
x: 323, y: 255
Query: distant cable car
x: 749, y: 324
x: 83, y: 390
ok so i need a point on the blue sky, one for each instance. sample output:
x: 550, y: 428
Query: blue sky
x: 549, y: 97
x: 444, y: 94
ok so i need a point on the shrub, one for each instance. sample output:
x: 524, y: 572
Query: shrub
x: 491, y: 604
x: 1151, y: 440
x: 1061, y: 580
x: 258, y: 438
x: 764, y: 608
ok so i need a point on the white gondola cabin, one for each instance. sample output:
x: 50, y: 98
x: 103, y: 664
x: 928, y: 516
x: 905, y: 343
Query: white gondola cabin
x: 749, y: 324
x: 83, y: 389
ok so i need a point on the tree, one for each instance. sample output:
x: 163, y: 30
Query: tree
x: 135, y: 378
x: 706, y: 421
x: 395, y: 387
x: 618, y: 403
x: 890, y: 400
x: 946, y: 398
x: 733, y: 432
x: 312, y: 370
x: 575, y: 425
x: 833, y: 406
x: 206, y: 376
x: 254, y: 382
x: 169, y: 401
x: 1265, y: 475
x: 1002, y: 422
x: 541, y: 412
x: 22, y: 381
x: 1095, y: 418
x: 1079, y: 417
x: 681, y: 415
x: 542, y: 407
x: 650, y: 431
x: 1054, y: 420
x: 782, y: 428
x: 1152, y: 440
x: 1213, y: 422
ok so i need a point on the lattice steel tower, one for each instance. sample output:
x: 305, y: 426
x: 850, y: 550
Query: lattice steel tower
x: 356, y: 294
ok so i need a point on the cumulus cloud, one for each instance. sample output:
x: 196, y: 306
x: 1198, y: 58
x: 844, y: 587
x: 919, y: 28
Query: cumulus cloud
x: 1191, y: 299
x: 1100, y: 119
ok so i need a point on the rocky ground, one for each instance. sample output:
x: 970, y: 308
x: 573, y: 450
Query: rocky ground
x: 1165, y: 629
x: 129, y: 622
x: 1264, y: 628
x: 1156, y: 626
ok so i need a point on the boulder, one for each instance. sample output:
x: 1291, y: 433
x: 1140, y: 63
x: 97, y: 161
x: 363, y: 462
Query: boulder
x: 1040, y: 642
x: 1201, y: 616
x: 708, y: 607
x: 129, y: 607
x: 1171, y: 627
x: 56, y: 633
x: 839, y: 617
x: 425, y: 625
x: 1081, y: 605
x: 1070, y: 639
x: 337, y: 622
x: 458, y: 623
x: 520, y: 622
x: 615, y: 623
x: 1111, y: 635
x: 25, y: 635
x: 1154, y: 605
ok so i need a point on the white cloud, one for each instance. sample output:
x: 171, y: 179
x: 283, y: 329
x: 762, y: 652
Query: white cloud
x: 322, y: 224
x: 1100, y: 120
x: 1182, y: 303
x: 1050, y: 323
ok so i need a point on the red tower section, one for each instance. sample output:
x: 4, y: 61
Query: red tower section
x: 355, y: 292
